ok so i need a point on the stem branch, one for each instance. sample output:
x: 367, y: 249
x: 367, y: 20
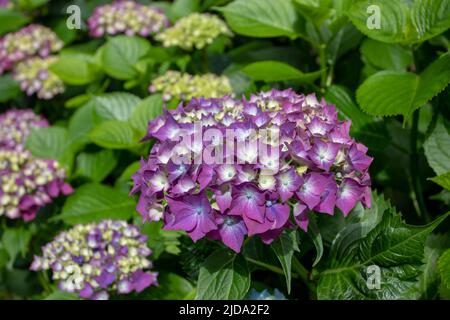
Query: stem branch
x: 414, y: 167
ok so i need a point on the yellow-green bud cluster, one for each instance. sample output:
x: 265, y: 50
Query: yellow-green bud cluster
x: 34, y: 76
x: 195, y: 31
x: 185, y: 86
x: 95, y: 258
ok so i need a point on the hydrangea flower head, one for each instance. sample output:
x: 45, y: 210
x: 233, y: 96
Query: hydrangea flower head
x: 227, y: 168
x: 15, y: 126
x: 194, y: 31
x: 35, y: 77
x: 185, y: 86
x: 126, y: 17
x: 97, y: 259
x: 5, y: 4
x: 32, y: 40
x: 26, y: 183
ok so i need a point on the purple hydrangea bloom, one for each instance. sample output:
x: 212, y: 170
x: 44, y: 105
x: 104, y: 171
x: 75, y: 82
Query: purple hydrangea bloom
x: 15, y: 126
x: 126, y: 17
x: 97, y: 259
x: 311, y: 166
x: 30, y: 41
x: 27, y: 183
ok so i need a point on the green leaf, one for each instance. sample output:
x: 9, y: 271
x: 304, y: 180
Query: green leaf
x: 223, y: 276
x: 430, y: 17
x: 96, y: 166
x: 427, y: 286
x: 444, y: 268
x: 116, y: 105
x: 62, y: 295
x: 52, y: 143
x: 160, y: 240
x: 316, y: 237
x: 443, y: 180
x: 394, y: 247
x: 75, y: 69
x: 120, y: 55
x: 402, y: 21
x: 9, y: 88
x: 271, y: 71
x: 284, y: 247
x: 170, y: 287
x: 15, y: 241
x: 315, y: 10
x: 341, y: 97
x: 181, y: 8
x: 437, y: 149
x: 11, y: 20
x: 147, y: 110
x: 124, y: 182
x: 385, y: 55
x: 388, y: 93
x: 114, y: 135
x: 82, y: 122
x: 94, y: 202
x: 261, y: 18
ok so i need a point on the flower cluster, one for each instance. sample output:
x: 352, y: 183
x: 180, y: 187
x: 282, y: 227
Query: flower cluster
x: 32, y: 40
x: 185, y: 86
x: 98, y: 258
x: 195, y: 31
x: 5, y: 4
x: 126, y: 17
x: 312, y: 165
x: 15, y: 126
x: 34, y: 76
x: 26, y: 183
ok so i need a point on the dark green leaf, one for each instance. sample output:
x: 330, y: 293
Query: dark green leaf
x: 114, y: 135
x: 75, y: 69
x: 223, y: 276
x: 388, y: 93
x: 96, y: 166
x: 284, y: 247
x: 121, y: 54
x: 147, y: 110
x: 437, y: 149
x: 9, y: 88
x: 271, y: 71
x: 15, y: 241
x: 94, y: 202
x: 116, y: 105
x: 11, y: 20
x: 261, y: 18
x: 393, y: 247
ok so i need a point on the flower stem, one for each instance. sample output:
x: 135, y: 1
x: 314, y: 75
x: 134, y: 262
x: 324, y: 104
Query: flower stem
x: 303, y: 273
x: 268, y: 266
x: 414, y: 167
x: 323, y: 66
